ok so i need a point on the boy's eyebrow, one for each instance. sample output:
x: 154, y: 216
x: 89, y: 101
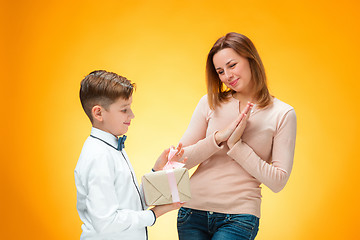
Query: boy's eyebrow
x: 226, y: 63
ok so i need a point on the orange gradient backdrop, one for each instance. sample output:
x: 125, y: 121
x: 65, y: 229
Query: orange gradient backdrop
x: 310, y: 50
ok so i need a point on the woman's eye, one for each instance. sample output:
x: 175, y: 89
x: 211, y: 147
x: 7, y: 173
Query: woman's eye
x: 232, y: 65
x: 220, y: 72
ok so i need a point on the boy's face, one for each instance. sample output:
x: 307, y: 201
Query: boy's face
x: 117, y: 118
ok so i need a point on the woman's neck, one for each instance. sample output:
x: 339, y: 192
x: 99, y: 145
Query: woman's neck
x: 244, y: 99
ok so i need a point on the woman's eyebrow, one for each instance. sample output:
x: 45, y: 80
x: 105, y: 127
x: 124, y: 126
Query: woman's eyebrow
x: 226, y: 63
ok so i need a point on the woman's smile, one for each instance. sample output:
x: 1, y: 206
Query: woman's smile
x: 233, y: 83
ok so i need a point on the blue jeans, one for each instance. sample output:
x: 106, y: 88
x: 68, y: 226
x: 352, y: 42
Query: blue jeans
x: 201, y: 225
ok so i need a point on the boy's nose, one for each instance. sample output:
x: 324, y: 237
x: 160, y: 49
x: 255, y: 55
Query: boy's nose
x: 132, y: 115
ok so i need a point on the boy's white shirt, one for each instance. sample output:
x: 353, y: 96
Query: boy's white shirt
x: 108, y: 201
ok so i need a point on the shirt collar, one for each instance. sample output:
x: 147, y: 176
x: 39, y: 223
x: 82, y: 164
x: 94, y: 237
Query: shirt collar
x: 105, y: 136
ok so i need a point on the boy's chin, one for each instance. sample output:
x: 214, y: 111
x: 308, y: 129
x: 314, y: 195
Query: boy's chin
x: 118, y: 133
x: 122, y: 132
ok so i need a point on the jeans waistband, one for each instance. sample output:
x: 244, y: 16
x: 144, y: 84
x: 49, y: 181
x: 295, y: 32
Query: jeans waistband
x: 206, y: 213
x: 213, y: 214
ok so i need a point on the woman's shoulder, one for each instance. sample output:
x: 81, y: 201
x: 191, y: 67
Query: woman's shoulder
x: 277, y: 110
x: 283, y: 114
x: 281, y: 106
x: 203, y: 107
x: 203, y: 102
x: 204, y: 99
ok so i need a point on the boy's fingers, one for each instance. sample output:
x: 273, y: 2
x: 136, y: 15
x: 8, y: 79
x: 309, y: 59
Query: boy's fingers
x: 179, y: 146
x: 179, y: 153
x: 165, y: 153
x: 180, y: 150
x: 178, y: 204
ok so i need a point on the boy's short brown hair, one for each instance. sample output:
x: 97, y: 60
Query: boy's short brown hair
x: 103, y: 88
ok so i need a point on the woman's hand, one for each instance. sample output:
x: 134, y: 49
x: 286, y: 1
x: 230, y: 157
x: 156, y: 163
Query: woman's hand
x: 238, y: 132
x: 223, y: 135
x: 163, y: 158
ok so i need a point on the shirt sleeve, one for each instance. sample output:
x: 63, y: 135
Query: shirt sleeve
x: 102, y: 203
x: 276, y: 174
x: 197, y: 146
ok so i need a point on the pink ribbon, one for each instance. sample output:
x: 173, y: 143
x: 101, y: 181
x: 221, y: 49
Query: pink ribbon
x: 169, y: 168
x: 172, y: 164
x: 173, y: 185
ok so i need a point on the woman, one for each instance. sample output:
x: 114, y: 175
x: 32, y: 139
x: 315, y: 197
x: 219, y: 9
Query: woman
x: 235, y: 152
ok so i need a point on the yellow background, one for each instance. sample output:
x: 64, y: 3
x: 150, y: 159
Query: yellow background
x: 310, y: 50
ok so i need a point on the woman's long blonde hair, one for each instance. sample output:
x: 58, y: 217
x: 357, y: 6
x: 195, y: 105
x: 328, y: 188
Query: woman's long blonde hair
x: 217, y: 92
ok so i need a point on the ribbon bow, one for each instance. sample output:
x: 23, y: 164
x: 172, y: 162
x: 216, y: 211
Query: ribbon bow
x: 172, y: 164
x: 121, y: 142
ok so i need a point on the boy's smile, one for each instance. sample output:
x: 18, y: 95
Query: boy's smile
x: 127, y: 123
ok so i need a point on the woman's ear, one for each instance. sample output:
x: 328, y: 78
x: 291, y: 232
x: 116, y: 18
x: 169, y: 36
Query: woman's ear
x: 96, y: 113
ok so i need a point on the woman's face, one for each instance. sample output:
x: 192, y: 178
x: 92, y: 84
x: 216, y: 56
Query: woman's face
x: 233, y: 70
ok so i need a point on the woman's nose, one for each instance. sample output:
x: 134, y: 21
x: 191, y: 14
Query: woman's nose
x: 228, y: 75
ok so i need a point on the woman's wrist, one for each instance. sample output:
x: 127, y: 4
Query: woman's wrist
x: 217, y: 140
x: 231, y: 145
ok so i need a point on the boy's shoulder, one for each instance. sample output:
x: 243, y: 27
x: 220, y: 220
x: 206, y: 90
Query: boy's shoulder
x: 92, y: 151
x: 94, y: 146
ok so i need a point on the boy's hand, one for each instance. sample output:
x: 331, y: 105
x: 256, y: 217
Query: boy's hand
x: 162, y: 209
x: 162, y: 160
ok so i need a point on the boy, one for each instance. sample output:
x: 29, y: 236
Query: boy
x: 109, y: 200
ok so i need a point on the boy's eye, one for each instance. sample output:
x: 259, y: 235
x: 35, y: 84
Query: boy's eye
x: 124, y: 110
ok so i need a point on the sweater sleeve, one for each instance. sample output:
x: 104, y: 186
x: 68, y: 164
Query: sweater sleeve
x: 276, y: 174
x: 197, y: 146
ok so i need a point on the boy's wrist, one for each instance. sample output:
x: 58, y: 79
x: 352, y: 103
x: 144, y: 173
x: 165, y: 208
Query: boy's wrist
x: 157, y: 167
x: 154, y: 216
